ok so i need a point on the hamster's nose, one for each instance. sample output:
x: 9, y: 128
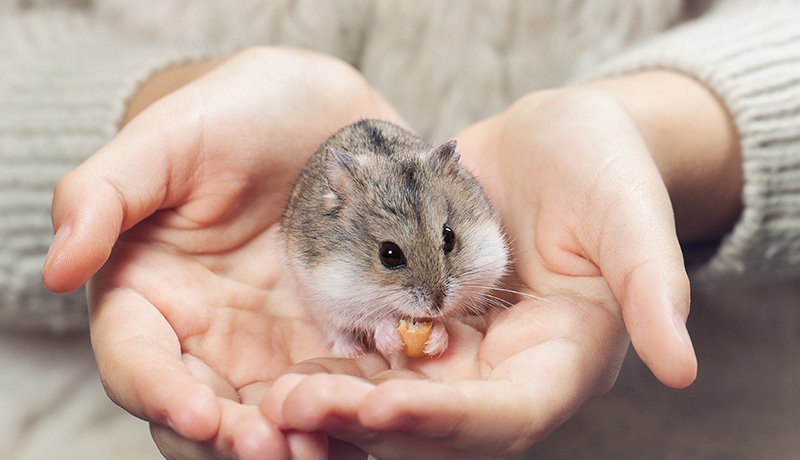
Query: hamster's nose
x: 437, y: 301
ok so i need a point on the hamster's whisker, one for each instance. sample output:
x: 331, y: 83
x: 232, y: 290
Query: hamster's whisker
x: 479, y: 311
x: 523, y: 294
x: 505, y: 304
x: 471, y: 306
x: 488, y: 267
x: 507, y: 290
x: 511, y: 246
x: 498, y: 301
x: 487, y: 273
x: 513, y: 255
x: 494, y: 302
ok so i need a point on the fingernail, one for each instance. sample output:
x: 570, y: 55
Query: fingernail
x: 405, y: 423
x: 61, y: 235
x: 680, y: 327
x: 333, y: 423
x: 272, y: 404
x: 171, y: 425
x: 402, y: 423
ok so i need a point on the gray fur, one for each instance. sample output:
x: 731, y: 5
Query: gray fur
x: 373, y: 182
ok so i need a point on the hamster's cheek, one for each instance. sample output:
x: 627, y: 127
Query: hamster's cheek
x: 488, y: 253
x: 477, y: 268
x: 341, y: 281
x: 340, y: 296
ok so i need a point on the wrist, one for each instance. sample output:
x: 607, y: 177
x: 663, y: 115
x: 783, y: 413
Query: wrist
x: 694, y: 144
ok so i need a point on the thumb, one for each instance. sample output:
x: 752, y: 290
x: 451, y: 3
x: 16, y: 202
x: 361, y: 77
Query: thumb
x: 655, y: 304
x: 123, y: 183
x: 647, y: 276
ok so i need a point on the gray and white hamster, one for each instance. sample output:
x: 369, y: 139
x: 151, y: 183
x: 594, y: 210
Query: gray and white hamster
x: 380, y: 227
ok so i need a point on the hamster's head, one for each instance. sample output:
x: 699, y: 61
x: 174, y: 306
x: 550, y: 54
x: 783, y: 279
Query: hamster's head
x: 415, y: 237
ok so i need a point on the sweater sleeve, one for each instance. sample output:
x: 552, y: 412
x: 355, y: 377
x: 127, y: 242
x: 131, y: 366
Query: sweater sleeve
x: 748, y: 53
x: 65, y: 77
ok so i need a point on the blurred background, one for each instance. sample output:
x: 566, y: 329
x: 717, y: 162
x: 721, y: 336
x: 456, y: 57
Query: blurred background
x: 52, y: 404
x: 744, y: 405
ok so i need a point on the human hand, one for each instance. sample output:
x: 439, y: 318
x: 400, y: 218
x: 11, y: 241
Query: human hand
x: 190, y: 315
x: 584, y: 191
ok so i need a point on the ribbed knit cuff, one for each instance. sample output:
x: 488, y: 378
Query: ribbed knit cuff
x: 748, y: 53
x: 65, y: 79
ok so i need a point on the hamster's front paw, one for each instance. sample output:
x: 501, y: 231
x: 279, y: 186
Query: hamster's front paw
x: 437, y: 344
x: 346, y: 345
x: 387, y: 339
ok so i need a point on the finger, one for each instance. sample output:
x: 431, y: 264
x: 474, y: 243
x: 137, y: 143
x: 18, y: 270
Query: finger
x: 471, y: 419
x: 297, y: 446
x: 655, y: 304
x: 175, y: 447
x: 315, y: 402
x: 247, y: 435
x: 518, y: 405
x: 365, y: 366
x: 311, y: 446
x: 396, y: 418
x: 330, y: 403
x: 342, y: 450
x: 155, y: 160
x: 323, y: 395
x: 274, y: 403
x: 641, y: 259
x: 139, y: 359
x: 126, y: 181
x: 319, y: 446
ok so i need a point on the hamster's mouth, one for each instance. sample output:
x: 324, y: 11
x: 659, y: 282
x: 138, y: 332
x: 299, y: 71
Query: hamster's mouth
x: 412, y: 321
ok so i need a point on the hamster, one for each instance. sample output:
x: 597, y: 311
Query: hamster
x: 382, y: 227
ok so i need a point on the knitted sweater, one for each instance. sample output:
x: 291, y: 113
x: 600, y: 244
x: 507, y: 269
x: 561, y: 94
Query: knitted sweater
x: 68, y: 68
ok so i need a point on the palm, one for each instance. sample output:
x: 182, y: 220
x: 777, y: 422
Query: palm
x: 230, y: 310
x: 209, y: 263
x: 208, y: 277
x: 193, y: 322
x: 543, y: 355
x: 590, y: 228
x: 223, y: 316
x: 190, y: 314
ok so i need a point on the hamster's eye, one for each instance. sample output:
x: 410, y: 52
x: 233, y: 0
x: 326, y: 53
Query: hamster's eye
x: 391, y: 255
x: 449, y: 237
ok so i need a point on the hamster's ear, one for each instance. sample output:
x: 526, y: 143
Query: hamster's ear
x: 340, y: 169
x: 444, y: 158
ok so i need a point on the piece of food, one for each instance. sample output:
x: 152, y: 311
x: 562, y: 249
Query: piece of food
x: 415, y: 336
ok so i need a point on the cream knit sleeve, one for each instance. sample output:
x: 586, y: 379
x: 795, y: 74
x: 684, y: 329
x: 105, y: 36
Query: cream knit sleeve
x: 748, y: 53
x: 65, y: 77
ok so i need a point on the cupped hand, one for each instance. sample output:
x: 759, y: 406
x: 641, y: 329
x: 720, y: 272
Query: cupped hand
x: 190, y: 315
x: 596, y: 257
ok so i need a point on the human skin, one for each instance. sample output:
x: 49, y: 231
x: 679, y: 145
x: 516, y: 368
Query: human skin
x: 193, y: 325
x: 189, y: 316
x: 591, y: 225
